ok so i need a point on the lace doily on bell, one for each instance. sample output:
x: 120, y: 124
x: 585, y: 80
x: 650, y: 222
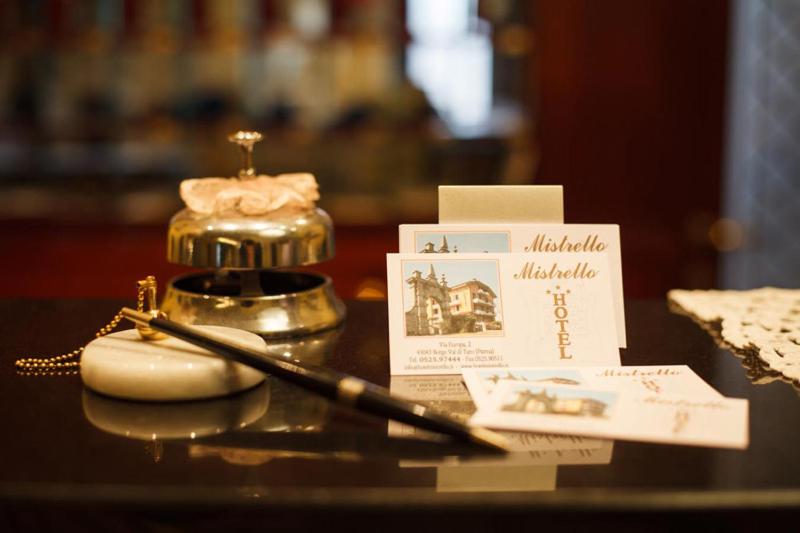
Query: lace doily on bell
x: 762, y: 323
x: 259, y: 195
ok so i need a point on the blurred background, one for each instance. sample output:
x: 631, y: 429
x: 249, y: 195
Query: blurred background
x: 677, y: 119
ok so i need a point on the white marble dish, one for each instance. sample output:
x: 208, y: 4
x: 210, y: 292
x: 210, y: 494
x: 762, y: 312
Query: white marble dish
x: 125, y: 366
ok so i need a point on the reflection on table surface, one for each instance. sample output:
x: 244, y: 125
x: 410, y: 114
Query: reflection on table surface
x: 310, y: 349
x: 531, y: 465
x: 276, y: 420
x: 176, y: 420
x: 294, y: 443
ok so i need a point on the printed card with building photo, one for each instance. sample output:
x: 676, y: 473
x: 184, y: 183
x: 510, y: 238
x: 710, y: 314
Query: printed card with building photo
x: 448, y: 394
x: 498, y: 309
x: 462, y: 298
x: 616, y: 414
x: 657, y: 379
x: 524, y: 238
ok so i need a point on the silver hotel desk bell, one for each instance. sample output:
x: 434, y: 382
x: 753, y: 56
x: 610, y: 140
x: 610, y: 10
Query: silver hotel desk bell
x: 248, y: 230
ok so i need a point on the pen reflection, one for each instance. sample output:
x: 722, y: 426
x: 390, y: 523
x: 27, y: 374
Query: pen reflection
x: 278, y: 421
x: 530, y: 466
x: 274, y: 421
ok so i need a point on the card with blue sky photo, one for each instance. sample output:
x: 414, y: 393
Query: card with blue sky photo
x: 449, y: 312
x: 451, y: 239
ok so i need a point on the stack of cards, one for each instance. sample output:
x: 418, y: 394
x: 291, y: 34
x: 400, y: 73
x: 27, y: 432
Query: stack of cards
x: 449, y: 394
x: 533, y: 316
x: 472, y: 296
x: 664, y: 404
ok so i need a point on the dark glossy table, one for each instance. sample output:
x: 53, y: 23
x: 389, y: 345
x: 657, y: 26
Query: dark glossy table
x: 306, y: 462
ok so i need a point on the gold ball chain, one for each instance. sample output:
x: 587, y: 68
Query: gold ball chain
x: 67, y: 364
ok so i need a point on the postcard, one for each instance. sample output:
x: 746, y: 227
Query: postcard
x: 524, y: 238
x: 447, y: 313
x: 449, y: 395
x: 616, y: 414
x: 667, y: 379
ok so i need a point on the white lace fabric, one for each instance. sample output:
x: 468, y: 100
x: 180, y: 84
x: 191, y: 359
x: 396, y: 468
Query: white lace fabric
x: 764, y: 321
x: 260, y: 195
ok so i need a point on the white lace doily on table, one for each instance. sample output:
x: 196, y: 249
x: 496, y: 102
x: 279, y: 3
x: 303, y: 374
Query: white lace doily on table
x: 763, y: 322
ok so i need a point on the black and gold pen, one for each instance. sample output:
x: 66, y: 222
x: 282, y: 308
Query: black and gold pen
x: 344, y: 389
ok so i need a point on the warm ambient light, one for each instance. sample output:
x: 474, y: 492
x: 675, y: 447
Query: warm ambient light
x: 726, y: 234
x: 371, y: 289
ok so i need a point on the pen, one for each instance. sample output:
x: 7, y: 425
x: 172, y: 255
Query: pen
x: 343, y: 389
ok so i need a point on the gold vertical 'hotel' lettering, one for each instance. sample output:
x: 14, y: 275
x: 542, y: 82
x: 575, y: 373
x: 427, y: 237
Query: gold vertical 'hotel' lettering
x: 561, y: 313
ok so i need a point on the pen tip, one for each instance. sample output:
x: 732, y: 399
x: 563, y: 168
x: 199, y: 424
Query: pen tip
x: 489, y: 439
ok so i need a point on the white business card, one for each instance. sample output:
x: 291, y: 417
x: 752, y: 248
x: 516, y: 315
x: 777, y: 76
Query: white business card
x: 448, y: 313
x: 616, y: 414
x: 524, y: 238
x: 449, y: 395
x: 661, y: 379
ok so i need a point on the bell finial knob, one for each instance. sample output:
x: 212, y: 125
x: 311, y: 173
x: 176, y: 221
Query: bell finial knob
x: 246, y: 140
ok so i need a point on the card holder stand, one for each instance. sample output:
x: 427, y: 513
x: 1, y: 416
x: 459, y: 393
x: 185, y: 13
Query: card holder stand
x: 476, y: 204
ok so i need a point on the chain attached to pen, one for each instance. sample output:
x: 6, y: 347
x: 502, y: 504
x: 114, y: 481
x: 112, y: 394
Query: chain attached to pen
x: 68, y: 363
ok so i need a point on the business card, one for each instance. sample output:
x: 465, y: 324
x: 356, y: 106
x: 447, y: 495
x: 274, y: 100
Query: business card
x: 448, y: 313
x: 616, y: 414
x: 657, y: 379
x: 524, y: 238
x: 448, y: 394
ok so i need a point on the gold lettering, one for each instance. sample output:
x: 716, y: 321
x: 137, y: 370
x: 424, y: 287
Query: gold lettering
x: 560, y: 311
x: 526, y: 272
x: 542, y: 243
x: 531, y: 270
x: 563, y: 351
x: 559, y: 299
